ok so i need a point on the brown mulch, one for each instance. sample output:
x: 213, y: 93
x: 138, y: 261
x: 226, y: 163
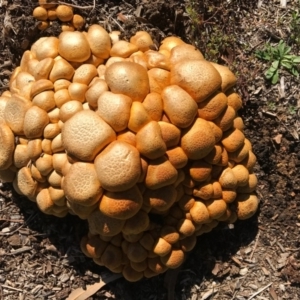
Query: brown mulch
x: 255, y: 259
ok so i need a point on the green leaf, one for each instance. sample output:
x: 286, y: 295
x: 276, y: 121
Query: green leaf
x: 286, y: 65
x: 269, y: 74
x: 275, y: 64
x: 296, y: 59
x: 295, y: 72
x: 275, y: 77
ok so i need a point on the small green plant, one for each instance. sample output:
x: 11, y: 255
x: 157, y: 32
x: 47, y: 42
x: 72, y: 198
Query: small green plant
x: 280, y: 57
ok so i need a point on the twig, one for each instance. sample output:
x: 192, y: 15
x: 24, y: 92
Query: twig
x: 20, y: 250
x: 11, y: 288
x: 11, y: 220
x: 270, y: 263
x: 259, y: 291
x: 80, y: 7
x: 255, y: 245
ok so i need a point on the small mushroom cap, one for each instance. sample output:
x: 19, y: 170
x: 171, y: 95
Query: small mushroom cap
x: 77, y: 132
x: 186, y: 202
x: 241, y: 174
x: 216, y: 208
x: 142, y: 40
x: 204, y: 191
x: 62, y: 70
x: 247, y: 205
x: 185, y: 227
x: 188, y: 243
x: 45, y: 47
x: 121, y: 205
x: 131, y: 275
x: 77, y: 21
x: 40, y: 13
x: 114, y: 109
x: 169, y: 234
x: 77, y: 91
x: 226, y: 118
x: 35, y: 121
x: 198, y: 140
x: 123, y: 49
x: 179, y: 106
x: 139, y: 117
x: 73, y: 46
x: 170, y: 134
x: 228, y: 78
x: 212, y: 107
x: 233, y: 140
x: 227, y: 179
x: 64, y: 13
x: 147, y: 241
x: 44, y: 201
x: 111, y: 257
x: 44, y: 100
x: 154, y: 106
x: 14, y: 113
x: 177, y: 157
x: 153, y: 147
x: 25, y: 184
x: 250, y: 186
x: 140, y: 266
x: 235, y: 101
x: 200, y: 170
x: 197, y: 77
x: 136, y: 224
x: 118, y: 166
x: 173, y: 259
x: 155, y: 265
x: 136, y: 252
x: 20, y: 156
x: 160, y: 173
x: 242, y: 153
x: 7, y: 142
x: 162, y: 247
x: 99, y: 41
x: 170, y: 42
x: 104, y: 225
x: 129, y: 79
x: 95, y: 90
x: 52, y: 14
x: 184, y: 52
x: 158, y: 79
x: 85, y: 73
x: 81, y: 184
x: 69, y: 109
x: 160, y: 199
x: 249, y: 161
x: 199, y: 213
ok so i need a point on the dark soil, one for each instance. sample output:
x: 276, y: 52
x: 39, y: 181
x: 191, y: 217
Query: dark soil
x: 39, y: 255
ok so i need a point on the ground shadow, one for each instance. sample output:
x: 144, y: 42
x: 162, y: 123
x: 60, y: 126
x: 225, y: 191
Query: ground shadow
x: 65, y: 234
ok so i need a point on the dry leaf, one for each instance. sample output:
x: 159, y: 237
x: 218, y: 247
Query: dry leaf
x: 81, y: 294
x: 278, y: 138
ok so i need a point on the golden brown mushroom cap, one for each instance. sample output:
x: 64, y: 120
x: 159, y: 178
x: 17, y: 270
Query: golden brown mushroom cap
x: 118, y: 166
x: 197, y: 77
x: 129, y: 79
x: 73, y: 46
x: 81, y: 184
x: 82, y: 142
x: 121, y: 205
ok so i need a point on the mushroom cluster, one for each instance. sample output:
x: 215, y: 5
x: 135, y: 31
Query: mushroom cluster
x: 49, y: 11
x: 144, y: 144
